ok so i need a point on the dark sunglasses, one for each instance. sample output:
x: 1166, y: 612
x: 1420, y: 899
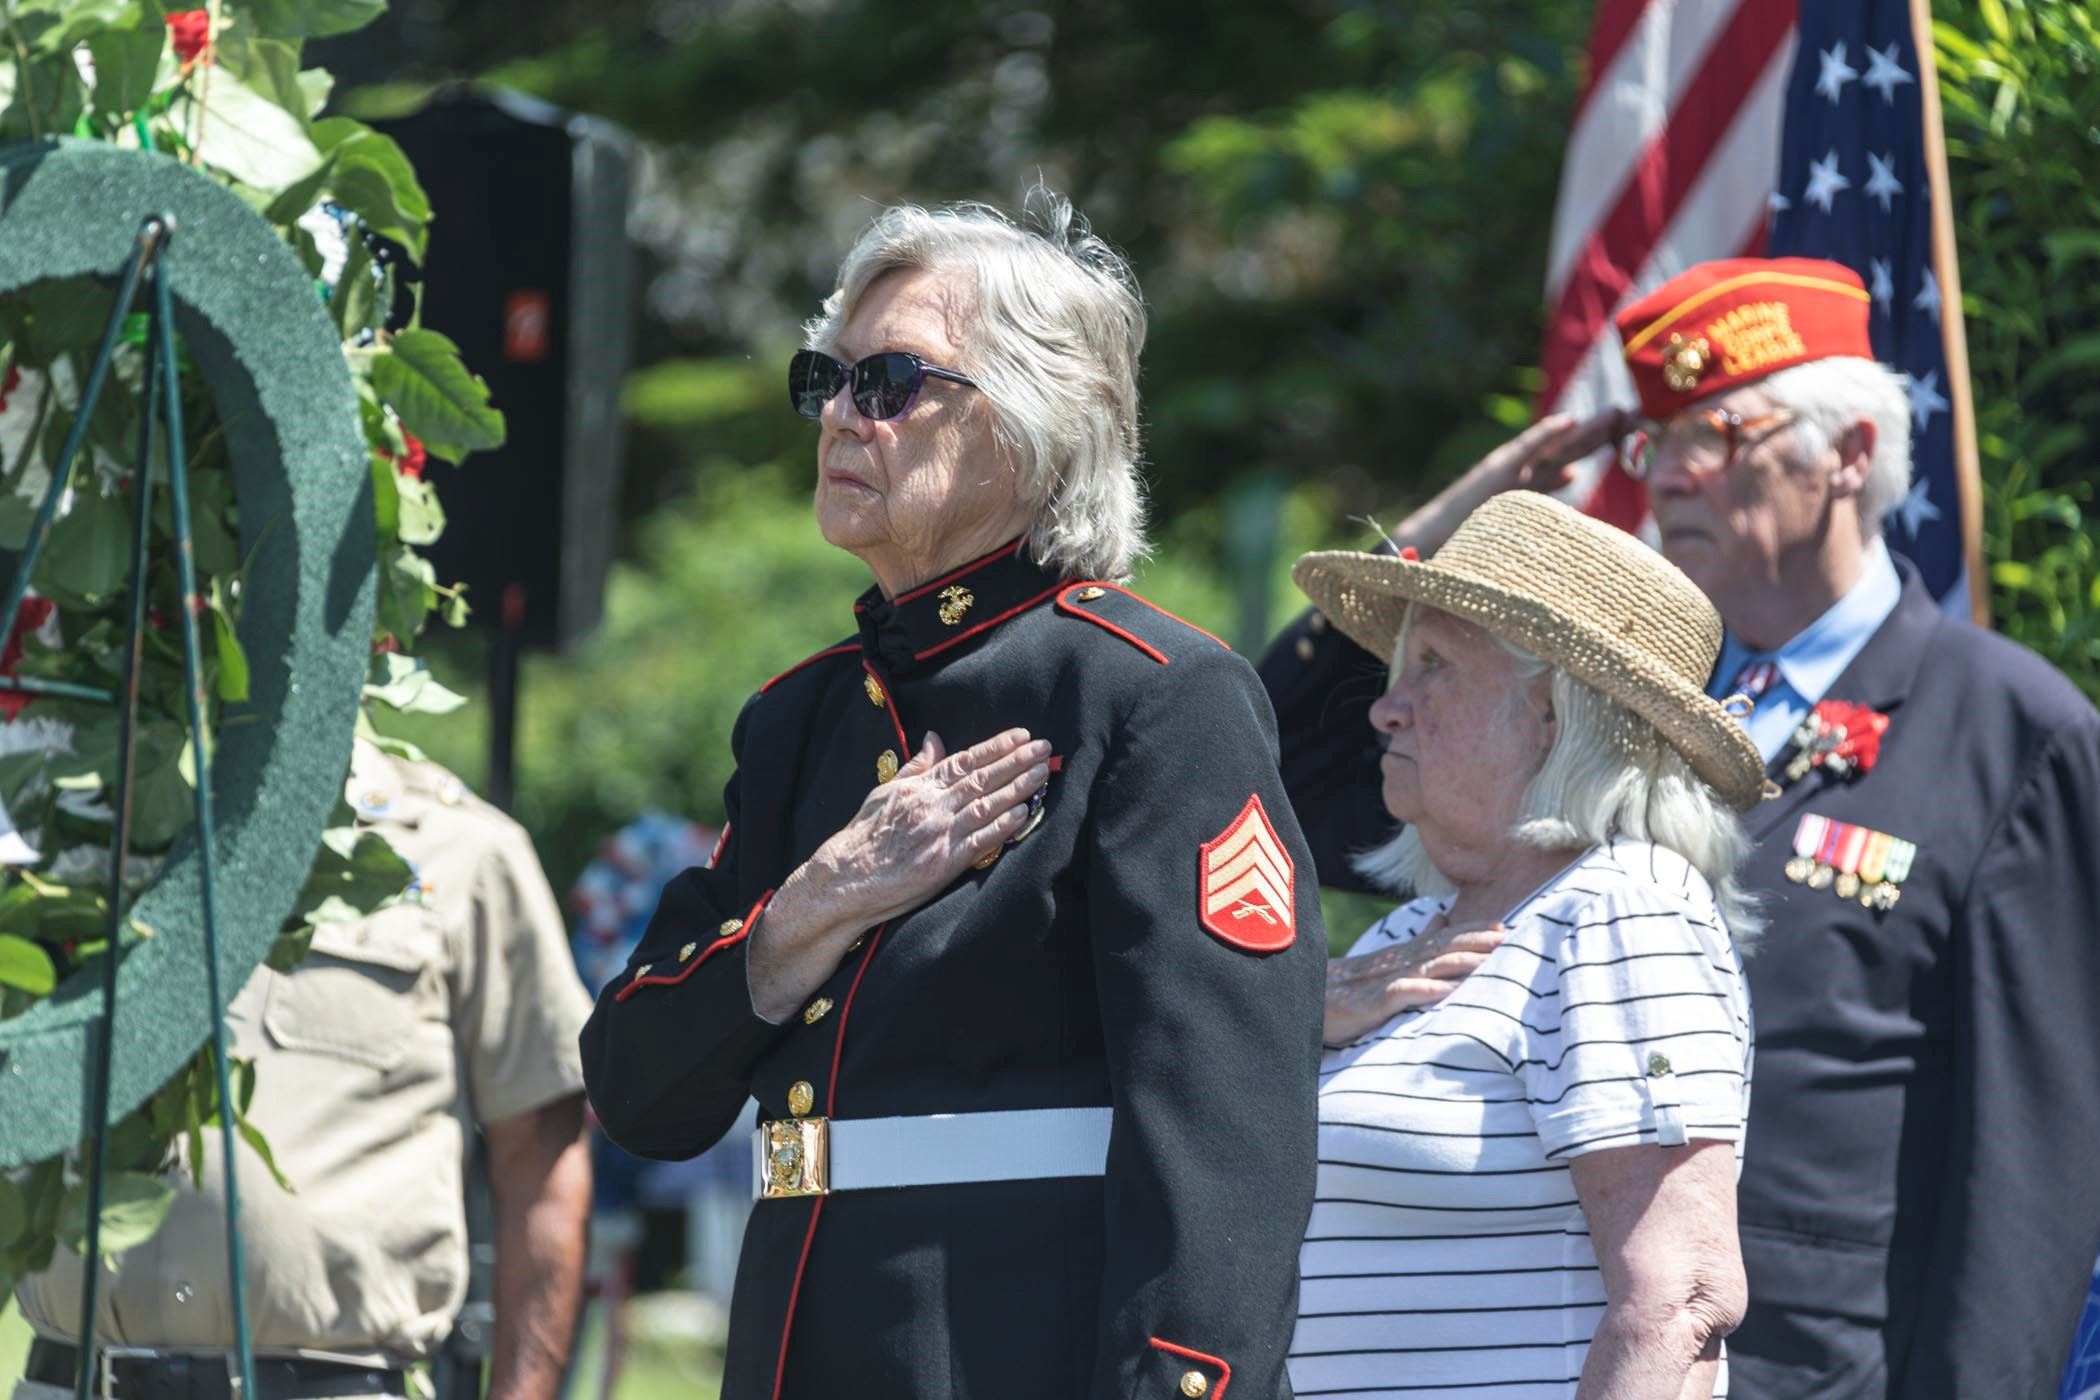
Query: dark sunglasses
x: 884, y: 386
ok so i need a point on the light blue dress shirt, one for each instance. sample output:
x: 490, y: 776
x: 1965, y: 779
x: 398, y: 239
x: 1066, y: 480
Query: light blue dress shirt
x: 1811, y: 663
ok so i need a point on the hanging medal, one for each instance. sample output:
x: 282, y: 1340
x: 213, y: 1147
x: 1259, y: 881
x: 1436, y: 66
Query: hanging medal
x: 1808, y: 838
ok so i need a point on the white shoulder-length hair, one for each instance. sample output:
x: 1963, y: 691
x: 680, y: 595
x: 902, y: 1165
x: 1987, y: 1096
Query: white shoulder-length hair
x: 1054, y: 343
x: 1609, y: 774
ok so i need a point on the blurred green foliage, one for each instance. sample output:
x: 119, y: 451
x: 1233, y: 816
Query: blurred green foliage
x: 2020, y: 97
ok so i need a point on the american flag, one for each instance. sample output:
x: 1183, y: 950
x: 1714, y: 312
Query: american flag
x: 1725, y: 128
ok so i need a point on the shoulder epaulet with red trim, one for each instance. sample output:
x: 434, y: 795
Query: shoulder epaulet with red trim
x: 840, y: 650
x: 1145, y: 625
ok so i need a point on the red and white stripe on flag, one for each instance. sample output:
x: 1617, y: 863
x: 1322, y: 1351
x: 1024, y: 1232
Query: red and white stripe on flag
x: 1670, y: 162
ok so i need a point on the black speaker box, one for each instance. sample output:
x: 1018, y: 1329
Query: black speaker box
x: 530, y: 272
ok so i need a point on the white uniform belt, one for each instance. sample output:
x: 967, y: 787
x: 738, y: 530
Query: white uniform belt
x: 816, y: 1156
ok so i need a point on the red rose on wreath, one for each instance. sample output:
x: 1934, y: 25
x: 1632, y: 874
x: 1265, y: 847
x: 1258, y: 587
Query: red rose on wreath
x: 1838, y: 735
x: 190, y: 32
x: 412, y: 459
x: 32, y: 615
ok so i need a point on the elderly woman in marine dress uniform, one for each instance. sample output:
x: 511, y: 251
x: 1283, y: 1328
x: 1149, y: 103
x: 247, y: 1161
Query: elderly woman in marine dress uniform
x: 1537, y: 1072
x: 1011, y: 934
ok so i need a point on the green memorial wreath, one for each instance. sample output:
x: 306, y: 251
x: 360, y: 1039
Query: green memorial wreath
x: 264, y: 346
x: 310, y: 401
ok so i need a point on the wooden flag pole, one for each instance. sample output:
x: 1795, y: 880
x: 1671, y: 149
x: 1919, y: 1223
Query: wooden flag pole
x: 1946, y: 267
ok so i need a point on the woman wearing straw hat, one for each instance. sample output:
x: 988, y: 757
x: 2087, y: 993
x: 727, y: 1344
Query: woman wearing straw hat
x: 1528, y: 1148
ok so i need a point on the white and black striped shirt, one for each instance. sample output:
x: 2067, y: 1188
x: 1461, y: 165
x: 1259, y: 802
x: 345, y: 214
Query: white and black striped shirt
x: 1447, y: 1252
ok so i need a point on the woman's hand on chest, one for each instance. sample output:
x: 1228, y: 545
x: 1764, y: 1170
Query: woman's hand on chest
x: 913, y: 835
x: 1369, y: 989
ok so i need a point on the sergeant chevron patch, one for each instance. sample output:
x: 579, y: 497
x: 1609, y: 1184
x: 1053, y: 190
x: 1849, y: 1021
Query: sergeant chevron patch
x: 1246, y: 884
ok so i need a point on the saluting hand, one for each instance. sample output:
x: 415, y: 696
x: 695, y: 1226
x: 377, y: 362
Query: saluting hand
x: 913, y: 835
x: 1366, y: 991
x: 1541, y: 458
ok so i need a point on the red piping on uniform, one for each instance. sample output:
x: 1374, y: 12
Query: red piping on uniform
x: 673, y: 979
x: 1152, y: 651
x: 831, y: 1098
x: 838, y: 1043
x: 721, y: 845
x: 839, y: 650
x: 940, y: 647
x: 809, y: 1238
x: 973, y: 566
x: 1224, y: 1371
x: 888, y: 703
x: 1118, y: 588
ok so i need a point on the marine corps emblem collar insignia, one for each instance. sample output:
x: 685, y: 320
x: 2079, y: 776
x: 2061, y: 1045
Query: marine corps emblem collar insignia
x: 1684, y: 361
x: 955, y: 601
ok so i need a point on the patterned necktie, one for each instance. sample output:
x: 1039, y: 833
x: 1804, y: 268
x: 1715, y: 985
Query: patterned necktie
x: 1758, y: 675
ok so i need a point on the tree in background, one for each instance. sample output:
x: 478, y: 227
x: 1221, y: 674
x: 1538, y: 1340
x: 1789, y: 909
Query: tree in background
x: 2020, y: 85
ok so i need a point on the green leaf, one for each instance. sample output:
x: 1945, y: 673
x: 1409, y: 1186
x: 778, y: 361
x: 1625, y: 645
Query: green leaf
x: 2079, y: 353
x: 162, y: 799
x: 233, y: 662
x: 26, y: 965
x: 310, y: 19
x: 349, y: 887
x: 53, y: 27
x: 269, y: 68
x: 407, y: 592
x: 420, y: 518
x: 373, y: 179
x: 133, y: 1207
x: 47, y: 98
x: 89, y: 554
x: 407, y: 685
x: 247, y: 135
x: 424, y: 381
x: 260, y: 1145
x: 1994, y: 20
x: 2066, y: 245
x: 386, y: 497
x: 127, y: 61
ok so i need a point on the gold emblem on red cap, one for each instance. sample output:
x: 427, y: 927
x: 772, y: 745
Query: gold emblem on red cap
x: 1757, y: 336
x: 1684, y: 361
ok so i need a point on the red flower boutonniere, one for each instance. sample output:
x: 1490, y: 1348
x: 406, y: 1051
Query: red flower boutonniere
x: 1840, y: 736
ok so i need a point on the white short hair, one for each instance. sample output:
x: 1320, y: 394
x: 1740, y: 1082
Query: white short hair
x: 1829, y: 396
x: 1058, y: 323
x: 1608, y: 774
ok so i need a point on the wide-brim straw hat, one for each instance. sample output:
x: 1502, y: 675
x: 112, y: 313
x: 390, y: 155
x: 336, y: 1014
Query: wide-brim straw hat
x: 1575, y: 592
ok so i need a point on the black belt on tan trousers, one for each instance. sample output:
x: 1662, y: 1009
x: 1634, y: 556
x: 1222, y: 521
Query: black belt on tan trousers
x: 207, y: 1375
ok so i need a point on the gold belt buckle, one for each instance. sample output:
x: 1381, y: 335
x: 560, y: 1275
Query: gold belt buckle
x: 798, y: 1158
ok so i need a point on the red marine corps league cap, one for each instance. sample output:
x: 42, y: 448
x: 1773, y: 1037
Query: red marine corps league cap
x: 1729, y: 322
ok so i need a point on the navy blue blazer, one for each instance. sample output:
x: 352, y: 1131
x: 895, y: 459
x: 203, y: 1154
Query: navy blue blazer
x: 1920, y: 1198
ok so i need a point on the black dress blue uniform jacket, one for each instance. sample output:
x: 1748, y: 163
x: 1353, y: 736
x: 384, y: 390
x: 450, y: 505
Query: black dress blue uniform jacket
x: 1077, y: 970
x: 1920, y: 1197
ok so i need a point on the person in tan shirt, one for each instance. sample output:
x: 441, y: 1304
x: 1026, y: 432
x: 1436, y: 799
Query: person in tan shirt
x: 455, y: 1008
